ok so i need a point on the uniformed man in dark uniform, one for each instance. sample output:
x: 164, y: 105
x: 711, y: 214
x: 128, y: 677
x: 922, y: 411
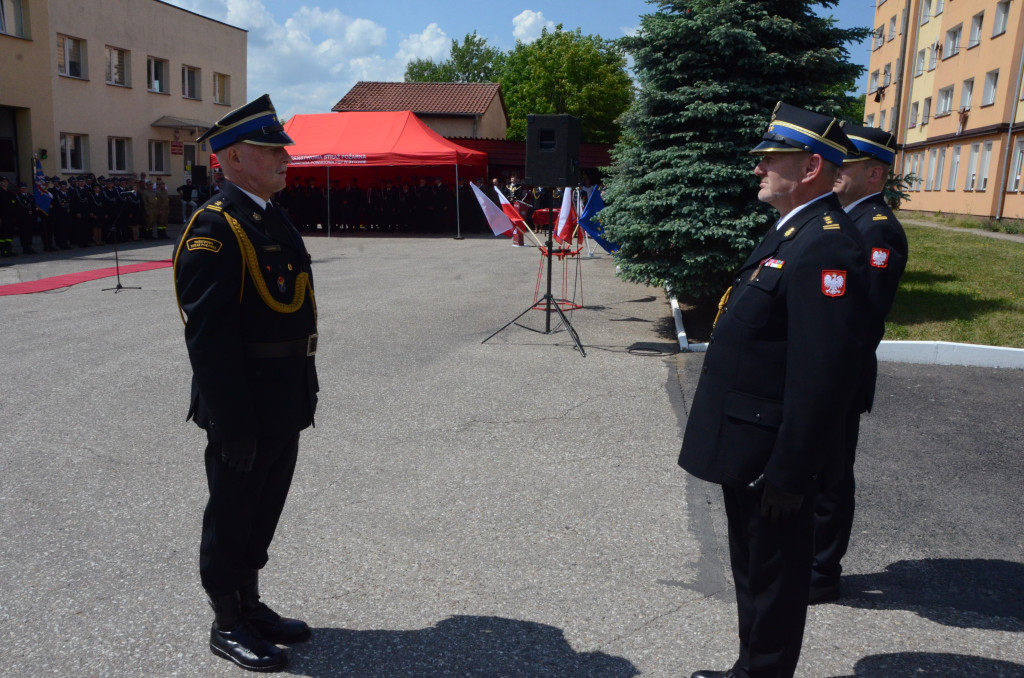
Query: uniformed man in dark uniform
x: 859, y: 187
x: 28, y: 217
x: 245, y: 286
x: 776, y: 384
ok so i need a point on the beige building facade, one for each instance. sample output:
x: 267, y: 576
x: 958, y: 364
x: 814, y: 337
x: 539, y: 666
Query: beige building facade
x: 121, y: 87
x: 945, y: 77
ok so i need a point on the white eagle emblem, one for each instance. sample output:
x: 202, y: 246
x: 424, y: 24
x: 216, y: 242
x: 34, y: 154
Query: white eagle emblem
x: 879, y: 257
x: 833, y: 283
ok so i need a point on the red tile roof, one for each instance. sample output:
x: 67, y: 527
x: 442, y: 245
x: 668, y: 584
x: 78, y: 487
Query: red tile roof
x: 446, y: 98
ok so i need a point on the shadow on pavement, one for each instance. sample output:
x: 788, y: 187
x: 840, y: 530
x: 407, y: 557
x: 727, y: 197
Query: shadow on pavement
x: 918, y: 664
x: 457, y: 646
x: 966, y: 593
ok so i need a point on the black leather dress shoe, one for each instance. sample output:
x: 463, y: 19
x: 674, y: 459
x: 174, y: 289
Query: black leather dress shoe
x: 274, y: 627
x: 246, y: 648
x: 713, y: 674
x: 823, y: 594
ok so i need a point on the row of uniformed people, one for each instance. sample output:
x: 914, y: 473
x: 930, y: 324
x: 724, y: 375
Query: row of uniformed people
x: 83, y: 212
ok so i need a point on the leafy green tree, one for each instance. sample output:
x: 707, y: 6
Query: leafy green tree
x: 567, y: 72
x: 682, y: 201
x: 472, y: 61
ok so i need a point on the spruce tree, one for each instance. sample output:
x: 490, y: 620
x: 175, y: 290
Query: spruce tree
x: 682, y: 199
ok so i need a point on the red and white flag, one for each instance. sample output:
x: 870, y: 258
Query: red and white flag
x: 512, y: 213
x: 566, y: 217
x: 496, y: 218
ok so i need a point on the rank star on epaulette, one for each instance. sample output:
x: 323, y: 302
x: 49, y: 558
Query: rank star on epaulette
x: 789, y: 231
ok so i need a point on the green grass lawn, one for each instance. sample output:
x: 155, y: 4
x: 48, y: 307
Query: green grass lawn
x: 960, y: 287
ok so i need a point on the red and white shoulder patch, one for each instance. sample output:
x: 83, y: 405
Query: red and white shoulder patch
x: 879, y: 257
x: 833, y: 283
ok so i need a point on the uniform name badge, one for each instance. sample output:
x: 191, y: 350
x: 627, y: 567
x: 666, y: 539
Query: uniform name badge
x: 879, y: 257
x: 833, y: 283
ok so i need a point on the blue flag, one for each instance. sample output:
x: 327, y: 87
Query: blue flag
x: 592, y: 225
x: 42, y: 197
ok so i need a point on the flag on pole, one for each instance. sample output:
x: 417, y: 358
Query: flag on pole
x: 497, y: 219
x: 39, y: 191
x: 566, y: 217
x: 512, y: 213
x: 592, y: 226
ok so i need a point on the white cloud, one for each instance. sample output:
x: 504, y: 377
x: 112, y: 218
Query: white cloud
x: 432, y: 43
x: 527, y: 25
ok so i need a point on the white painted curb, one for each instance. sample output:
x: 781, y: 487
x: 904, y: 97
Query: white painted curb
x: 916, y: 352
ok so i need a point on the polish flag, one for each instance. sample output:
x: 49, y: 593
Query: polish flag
x: 512, y: 213
x: 566, y: 217
x: 497, y: 219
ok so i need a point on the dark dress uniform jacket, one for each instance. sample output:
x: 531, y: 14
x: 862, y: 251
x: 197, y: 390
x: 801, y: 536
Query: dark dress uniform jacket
x: 779, y: 371
x: 886, y: 244
x: 245, y: 285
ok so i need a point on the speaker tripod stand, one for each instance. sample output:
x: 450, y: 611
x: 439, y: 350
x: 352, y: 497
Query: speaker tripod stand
x: 548, y: 299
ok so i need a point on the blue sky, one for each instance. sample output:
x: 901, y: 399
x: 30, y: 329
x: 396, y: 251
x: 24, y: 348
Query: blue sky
x: 307, y: 56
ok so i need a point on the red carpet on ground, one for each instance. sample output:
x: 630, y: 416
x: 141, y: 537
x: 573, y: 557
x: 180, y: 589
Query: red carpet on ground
x: 69, y: 279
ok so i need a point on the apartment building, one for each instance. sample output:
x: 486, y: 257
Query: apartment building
x: 945, y: 76
x: 112, y: 86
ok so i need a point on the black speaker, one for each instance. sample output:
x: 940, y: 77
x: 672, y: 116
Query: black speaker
x: 552, y: 150
x: 199, y: 176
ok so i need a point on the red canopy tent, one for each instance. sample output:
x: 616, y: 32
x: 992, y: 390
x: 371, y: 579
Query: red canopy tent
x: 339, y: 146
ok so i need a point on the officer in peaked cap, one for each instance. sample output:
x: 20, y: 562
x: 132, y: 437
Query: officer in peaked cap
x: 859, y: 187
x: 775, y: 384
x: 245, y: 289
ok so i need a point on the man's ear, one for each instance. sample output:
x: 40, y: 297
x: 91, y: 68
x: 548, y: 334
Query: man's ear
x: 812, y: 167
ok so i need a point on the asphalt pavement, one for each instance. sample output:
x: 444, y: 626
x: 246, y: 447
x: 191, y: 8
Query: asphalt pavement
x: 507, y: 508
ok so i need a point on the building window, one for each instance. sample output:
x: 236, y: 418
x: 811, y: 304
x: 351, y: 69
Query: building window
x: 119, y: 154
x: 972, y: 167
x: 952, y: 45
x: 919, y: 64
x: 965, y: 94
x: 118, y: 66
x: 71, y: 57
x: 887, y: 75
x: 869, y: 121
x: 892, y: 28
x: 1018, y: 164
x: 879, y: 37
x: 912, y: 122
x: 190, y: 82
x: 881, y: 120
x: 892, y: 120
x: 939, y: 165
x: 939, y: 6
x: 157, y: 71
x: 12, y: 18
x: 159, y: 157
x: 926, y: 11
x: 1001, y: 18
x: 975, y: 38
x: 933, y: 55
x: 873, y: 82
x: 926, y: 111
x: 929, y: 182
x: 72, y: 152
x: 988, y: 96
x: 221, y: 89
x: 986, y: 156
x: 944, y: 103
x: 954, y: 169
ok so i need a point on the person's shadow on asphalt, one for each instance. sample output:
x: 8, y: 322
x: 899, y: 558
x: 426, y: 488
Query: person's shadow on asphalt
x: 966, y: 593
x: 932, y: 664
x: 461, y: 646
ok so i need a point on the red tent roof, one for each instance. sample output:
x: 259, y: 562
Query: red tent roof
x: 372, y: 139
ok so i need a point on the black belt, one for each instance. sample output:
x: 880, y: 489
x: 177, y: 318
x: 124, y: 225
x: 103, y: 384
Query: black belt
x: 284, y: 349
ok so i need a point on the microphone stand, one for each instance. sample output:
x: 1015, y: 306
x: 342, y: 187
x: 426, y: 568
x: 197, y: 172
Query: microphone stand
x: 117, y: 260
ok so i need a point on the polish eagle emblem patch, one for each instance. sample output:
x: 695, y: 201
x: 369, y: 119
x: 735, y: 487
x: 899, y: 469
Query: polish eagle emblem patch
x: 833, y: 283
x: 879, y: 257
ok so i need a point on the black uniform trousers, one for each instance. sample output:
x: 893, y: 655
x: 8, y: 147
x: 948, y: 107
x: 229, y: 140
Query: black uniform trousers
x: 834, y: 508
x: 242, y: 512
x: 770, y: 567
